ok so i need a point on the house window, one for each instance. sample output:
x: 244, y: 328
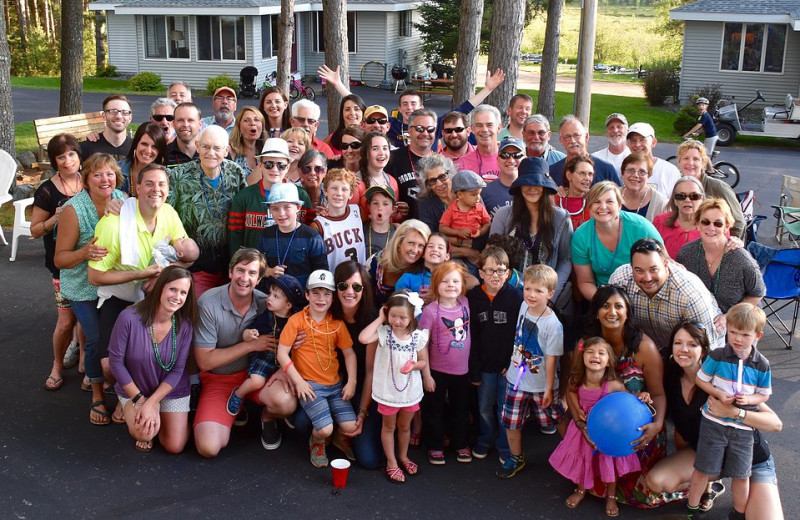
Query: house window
x: 220, y: 38
x: 165, y: 37
x: 406, y: 23
x: 318, y: 34
x: 269, y: 35
x: 753, y: 47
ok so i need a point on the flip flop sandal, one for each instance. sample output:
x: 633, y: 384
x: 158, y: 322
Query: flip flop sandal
x: 102, y: 413
x: 410, y: 467
x: 707, y: 499
x: 118, y: 417
x: 53, y: 383
x: 612, y: 509
x: 581, y: 494
x: 395, y: 475
x: 144, y: 446
x: 86, y: 386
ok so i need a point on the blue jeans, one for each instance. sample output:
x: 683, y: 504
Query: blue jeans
x: 88, y: 315
x: 367, y: 446
x: 491, y: 396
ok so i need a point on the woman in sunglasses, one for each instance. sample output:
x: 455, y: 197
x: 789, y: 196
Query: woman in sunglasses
x: 247, y: 138
x: 373, y: 157
x: 313, y: 166
x: 149, y: 146
x: 726, y: 269
x: 677, y: 225
x: 693, y: 160
x: 351, y: 112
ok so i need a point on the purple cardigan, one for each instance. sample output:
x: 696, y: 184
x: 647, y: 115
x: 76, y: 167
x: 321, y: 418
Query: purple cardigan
x: 131, y: 357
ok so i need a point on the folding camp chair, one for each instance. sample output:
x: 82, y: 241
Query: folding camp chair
x: 781, y: 271
x: 747, y: 200
x: 787, y: 211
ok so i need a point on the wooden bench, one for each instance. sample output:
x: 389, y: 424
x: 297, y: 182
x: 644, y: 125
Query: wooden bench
x: 79, y: 125
x: 429, y: 87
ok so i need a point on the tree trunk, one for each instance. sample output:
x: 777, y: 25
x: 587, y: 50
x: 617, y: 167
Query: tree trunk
x: 6, y: 106
x: 504, y: 48
x: 335, y: 16
x: 22, y: 20
x: 585, y: 72
x: 286, y: 23
x: 54, y: 31
x: 71, y: 101
x: 547, y: 81
x: 467, y: 49
x: 99, y: 41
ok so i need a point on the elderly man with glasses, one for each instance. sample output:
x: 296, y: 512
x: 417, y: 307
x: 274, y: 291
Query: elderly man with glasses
x: 536, y: 134
x: 305, y: 115
x: 574, y: 137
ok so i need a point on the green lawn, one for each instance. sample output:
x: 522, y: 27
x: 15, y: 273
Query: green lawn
x: 103, y: 85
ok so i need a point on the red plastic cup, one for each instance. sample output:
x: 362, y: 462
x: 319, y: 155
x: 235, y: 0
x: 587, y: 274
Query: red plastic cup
x: 340, y: 468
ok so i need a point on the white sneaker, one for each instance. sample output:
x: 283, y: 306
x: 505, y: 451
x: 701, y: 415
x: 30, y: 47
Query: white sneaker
x: 72, y: 355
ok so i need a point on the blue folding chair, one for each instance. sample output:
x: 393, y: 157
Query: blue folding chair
x: 781, y: 271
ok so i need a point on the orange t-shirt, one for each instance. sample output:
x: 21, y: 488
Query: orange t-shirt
x: 316, y: 358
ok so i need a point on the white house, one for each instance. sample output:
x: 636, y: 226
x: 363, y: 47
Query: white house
x: 192, y: 40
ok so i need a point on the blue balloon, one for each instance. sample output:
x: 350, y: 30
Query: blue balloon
x: 614, y: 423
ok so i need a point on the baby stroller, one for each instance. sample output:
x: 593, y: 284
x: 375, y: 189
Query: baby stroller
x: 247, y: 82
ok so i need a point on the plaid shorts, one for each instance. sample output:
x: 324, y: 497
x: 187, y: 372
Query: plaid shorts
x: 517, y: 403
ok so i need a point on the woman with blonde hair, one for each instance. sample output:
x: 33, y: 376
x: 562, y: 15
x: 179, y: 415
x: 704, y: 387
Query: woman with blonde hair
x: 299, y: 142
x: 403, y: 253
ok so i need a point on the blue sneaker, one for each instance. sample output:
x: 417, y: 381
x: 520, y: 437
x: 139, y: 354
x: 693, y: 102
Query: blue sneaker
x: 480, y: 452
x: 234, y: 403
x: 511, y: 466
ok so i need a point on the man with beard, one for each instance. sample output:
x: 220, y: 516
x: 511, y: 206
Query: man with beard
x: 187, y: 125
x: 519, y: 109
x: 536, y: 134
x: 455, y: 134
x: 403, y: 164
x: 483, y: 159
x: 575, y: 139
x: 616, y: 133
x: 642, y: 139
x: 224, y: 106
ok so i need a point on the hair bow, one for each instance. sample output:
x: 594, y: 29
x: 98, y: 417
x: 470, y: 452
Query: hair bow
x: 415, y: 300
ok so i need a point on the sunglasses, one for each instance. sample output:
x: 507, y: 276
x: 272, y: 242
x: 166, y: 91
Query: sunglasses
x: 429, y: 129
x: 268, y: 165
x: 509, y: 155
x: 457, y: 130
x: 305, y: 120
x: 355, y: 145
x: 161, y: 117
x: 380, y: 121
x: 694, y: 197
x: 646, y: 245
x: 343, y: 286
x: 716, y: 223
x: 433, y: 181
x: 319, y: 170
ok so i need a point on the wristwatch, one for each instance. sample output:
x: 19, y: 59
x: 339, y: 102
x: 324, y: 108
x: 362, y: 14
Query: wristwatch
x: 742, y: 415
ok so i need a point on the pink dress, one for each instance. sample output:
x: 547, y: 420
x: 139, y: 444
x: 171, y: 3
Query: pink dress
x: 574, y: 458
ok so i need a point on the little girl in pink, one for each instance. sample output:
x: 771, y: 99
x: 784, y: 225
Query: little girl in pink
x: 576, y: 457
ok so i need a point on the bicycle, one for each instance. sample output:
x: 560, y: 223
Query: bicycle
x: 297, y: 88
x: 722, y: 170
x: 269, y: 81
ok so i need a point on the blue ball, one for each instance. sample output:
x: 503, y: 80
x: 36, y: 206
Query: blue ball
x: 614, y: 423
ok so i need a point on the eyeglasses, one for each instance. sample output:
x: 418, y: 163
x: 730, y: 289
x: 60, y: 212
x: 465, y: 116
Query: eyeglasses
x: 429, y: 129
x: 161, y: 117
x: 694, y: 197
x: 319, y: 170
x: 355, y: 145
x: 457, y: 130
x: 373, y: 120
x: 216, y: 149
x: 717, y: 223
x: 646, y: 245
x: 634, y: 171
x: 268, y: 165
x: 509, y: 155
x: 434, y: 180
x: 224, y: 98
x: 343, y: 286
x: 115, y: 112
x: 492, y: 272
x: 305, y: 120
x: 571, y: 137
x: 531, y: 133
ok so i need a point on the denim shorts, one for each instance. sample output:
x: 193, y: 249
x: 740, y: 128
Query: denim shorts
x: 328, y: 406
x: 724, y: 451
x: 764, y: 473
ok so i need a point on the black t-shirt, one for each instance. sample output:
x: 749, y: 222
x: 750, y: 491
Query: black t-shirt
x: 175, y: 156
x: 360, y: 351
x: 685, y: 416
x: 103, y: 146
x: 403, y: 166
x: 48, y: 198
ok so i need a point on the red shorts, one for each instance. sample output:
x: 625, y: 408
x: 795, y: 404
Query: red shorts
x: 392, y: 410
x: 214, y: 394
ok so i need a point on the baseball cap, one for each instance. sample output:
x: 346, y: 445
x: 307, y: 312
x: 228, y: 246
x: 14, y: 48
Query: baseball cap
x: 509, y: 141
x: 466, y: 180
x: 619, y: 117
x: 375, y: 109
x: 320, y: 278
x: 386, y: 190
x: 291, y: 288
x: 643, y: 129
x: 284, y: 192
x: 275, y: 147
x: 221, y: 90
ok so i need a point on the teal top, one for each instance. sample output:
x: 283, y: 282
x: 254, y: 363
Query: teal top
x: 75, y: 284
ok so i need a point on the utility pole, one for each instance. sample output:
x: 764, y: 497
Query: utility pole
x: 583, y: 76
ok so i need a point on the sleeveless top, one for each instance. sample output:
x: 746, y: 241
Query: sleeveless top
x: 630, y: 373
x: 75, y: 284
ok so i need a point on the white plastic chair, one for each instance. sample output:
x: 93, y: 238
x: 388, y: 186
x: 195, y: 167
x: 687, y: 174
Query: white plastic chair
x: 22, y: 227
x: 8, y: 169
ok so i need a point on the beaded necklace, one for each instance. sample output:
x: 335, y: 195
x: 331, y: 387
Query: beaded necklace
x: 282, y: 261
x: 392, y: 344
x: 327, y: 333
x: 371, y: 180
x: 173, y: 356
x: 596, y: 248
x: 644, y: 196
x: 221, y: 212
x: 369, y: 238
x: 413, y: 169
x: 701, y: 259
x: 69, y: 188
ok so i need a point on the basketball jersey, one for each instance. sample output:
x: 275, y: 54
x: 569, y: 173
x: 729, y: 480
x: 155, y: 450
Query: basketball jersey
x: 343, y: 237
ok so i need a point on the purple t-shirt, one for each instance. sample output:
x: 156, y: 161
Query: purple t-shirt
x: 484, y: 165
x: 131, y: 357
x: 448, y: 347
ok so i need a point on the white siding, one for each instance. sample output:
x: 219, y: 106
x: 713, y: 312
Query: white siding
x: 122, y: 49
x: 702, y: 48
x: 411, y: 44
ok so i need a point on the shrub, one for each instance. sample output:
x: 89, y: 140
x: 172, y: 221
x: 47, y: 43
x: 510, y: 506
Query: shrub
x: 146, y: 82
x: 711, y: 91
x: 685, y: 119
x: 109, y: 71
x: 661, y: 82
x: 223, y: 80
